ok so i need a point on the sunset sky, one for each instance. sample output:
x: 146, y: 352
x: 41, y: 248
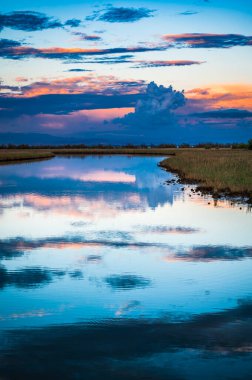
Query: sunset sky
x: 80, y: 70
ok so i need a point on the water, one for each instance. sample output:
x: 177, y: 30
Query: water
x: 107, y: 272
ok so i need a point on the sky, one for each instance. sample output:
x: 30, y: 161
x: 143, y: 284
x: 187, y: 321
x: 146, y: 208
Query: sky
x: 102, y: 72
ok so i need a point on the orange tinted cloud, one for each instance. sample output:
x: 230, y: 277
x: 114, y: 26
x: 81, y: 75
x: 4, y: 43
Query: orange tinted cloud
x: 222, y: 96
x: 107, y: 113
x: 89, y: 83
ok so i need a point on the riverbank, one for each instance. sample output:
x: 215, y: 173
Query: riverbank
x: 220, y: 172
x: 16, y: 155
x: 11, y: 155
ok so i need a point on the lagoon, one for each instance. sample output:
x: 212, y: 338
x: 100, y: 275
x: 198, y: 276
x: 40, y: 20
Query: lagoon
x: 108, y: 271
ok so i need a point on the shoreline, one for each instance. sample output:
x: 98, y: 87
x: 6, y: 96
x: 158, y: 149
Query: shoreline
x: 212, y: 171
x: 241, y: 197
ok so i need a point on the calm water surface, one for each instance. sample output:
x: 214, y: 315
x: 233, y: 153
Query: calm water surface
x: 107, y: 272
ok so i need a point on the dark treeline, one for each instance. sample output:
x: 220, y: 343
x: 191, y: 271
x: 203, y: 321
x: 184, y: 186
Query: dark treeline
x: 209, y: 145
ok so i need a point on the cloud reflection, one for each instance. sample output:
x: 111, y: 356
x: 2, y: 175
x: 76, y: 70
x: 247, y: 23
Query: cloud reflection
x: 127, y: 282
x: 135, y: 349
x: 28, y: 277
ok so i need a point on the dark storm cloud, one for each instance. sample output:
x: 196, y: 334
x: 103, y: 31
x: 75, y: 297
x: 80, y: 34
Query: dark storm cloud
x: 62, y: 104
x: 120, y: 14
x: 143, y: 64
x: 28, y: 21
x: 73, y: 23
x: 225, y: 114
x: 155, y: 110
x: 121, y: 348
x: 205, y: 40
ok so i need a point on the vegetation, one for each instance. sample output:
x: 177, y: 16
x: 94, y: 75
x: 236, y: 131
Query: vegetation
x: 222, y: 171
x: 7, y: 155
x: 148, y: 151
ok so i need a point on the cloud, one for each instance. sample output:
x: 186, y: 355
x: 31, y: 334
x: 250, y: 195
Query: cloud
x: 226, y: 96
x: 143, y: 64
x: 21, y: 79
x: 60, y: 104
x: 127, y: 58
x: 188, y: 13
x: 120, y: 14
x: 28, y: 21
x: 155, y: 108
x: 14, y: 50
x: 6, y: 43
x: 204, y: 40
x: 84, y: 84
x: 225, y: 114
x: 73, y: 23
x: 87, y: 37
x: 78, y: 70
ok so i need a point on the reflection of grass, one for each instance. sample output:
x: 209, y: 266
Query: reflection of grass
x: 7, y: 155
x: 221, y: 170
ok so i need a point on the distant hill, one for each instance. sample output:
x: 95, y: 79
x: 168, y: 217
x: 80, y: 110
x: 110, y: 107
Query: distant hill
x: 36, y: 139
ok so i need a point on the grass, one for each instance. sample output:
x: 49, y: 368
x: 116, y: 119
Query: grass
x: 10, y: 155
x: 227, y: 171
x: 122, y: 150
x: 218, y: 171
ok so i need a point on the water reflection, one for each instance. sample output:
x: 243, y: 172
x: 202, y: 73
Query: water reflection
x: 136, y: 348
x: 107, y: 271
x: 27, y: 278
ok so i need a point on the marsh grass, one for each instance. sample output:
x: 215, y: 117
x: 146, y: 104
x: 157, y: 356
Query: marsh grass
x: 9, y: 155
x: 218, y: 170
x: 110, y: 151
x: 223, y: 170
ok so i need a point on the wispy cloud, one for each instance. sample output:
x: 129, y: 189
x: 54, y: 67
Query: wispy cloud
x: 225, y: 114
x: 77, y: 70
x: 120, y: 14
x: 15, y: 50
x: 188, y: 13
x: 143, y: 64
x: 126, y: 58
x: 205, y: 40
x: 87, y: 37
